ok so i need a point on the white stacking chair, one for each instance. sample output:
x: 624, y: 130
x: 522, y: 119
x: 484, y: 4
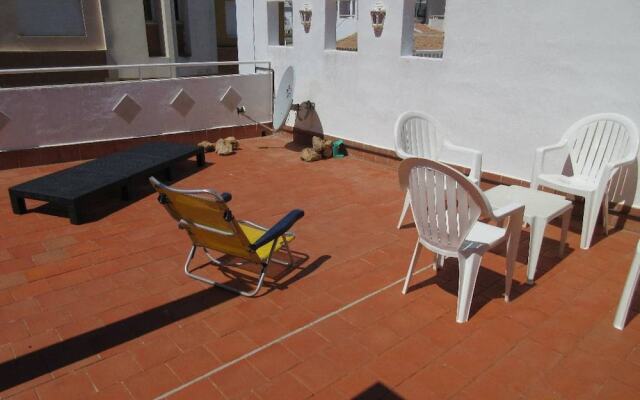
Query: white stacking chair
x: 597, y: 147
x: 628, y: 291
x: 420, y: 135
x: 446, y: 208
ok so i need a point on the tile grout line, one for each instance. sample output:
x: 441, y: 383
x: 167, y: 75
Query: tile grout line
x: 284, y: 337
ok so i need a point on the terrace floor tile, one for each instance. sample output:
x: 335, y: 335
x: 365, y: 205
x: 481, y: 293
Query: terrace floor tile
x: 103, y: 310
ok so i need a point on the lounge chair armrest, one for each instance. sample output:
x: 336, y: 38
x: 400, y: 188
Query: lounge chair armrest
x: 226, y: 196
x: 279, y: 229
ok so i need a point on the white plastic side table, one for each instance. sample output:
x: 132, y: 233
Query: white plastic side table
x: 627, y: 293
x: 539, y: 209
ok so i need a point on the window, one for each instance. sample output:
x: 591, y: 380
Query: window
x: 183, y: 42
x: 148, y: 11
x: 347, y: 25
x: 154, y: 28
x: 428, y: 28
x: 50, y: 18
x: 346, y: 8
x: 280, y: 22
x: 230, y: 18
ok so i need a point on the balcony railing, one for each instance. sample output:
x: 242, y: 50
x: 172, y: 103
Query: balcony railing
x: 54, y: 115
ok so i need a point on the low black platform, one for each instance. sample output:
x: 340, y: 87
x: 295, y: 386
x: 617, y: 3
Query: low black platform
x: 71, y: 187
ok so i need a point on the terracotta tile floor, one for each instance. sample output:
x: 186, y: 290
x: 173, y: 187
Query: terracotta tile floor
x: 103, y: 310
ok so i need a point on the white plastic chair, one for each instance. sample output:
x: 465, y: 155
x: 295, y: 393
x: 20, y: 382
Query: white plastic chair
x: 597, y: 147
x: 420, y: 135
x: 446, y: 207
x: 627, y: 293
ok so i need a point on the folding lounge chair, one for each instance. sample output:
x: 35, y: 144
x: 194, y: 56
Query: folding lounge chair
x: 211, y: 226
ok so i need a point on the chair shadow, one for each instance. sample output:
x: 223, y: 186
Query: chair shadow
x: 245, y: 275
x: 69, y: 351
x: 107, y: 202
x: 622, y: 216
x: 378, y: 391
x: 59, y: 355
x: 408, y: 225
x: 634, y: 308
x: 488, y: 280
x: 447, y: 280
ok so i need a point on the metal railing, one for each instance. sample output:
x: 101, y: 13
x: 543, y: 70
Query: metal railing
x: 138, y: 67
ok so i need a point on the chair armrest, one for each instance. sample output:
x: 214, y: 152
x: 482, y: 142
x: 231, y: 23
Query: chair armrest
x: 538, y: 163
x: 552, y: 147
x: 279, y: 229
x: 621, y: 163
x: 611, y: 168
x: 475, y: 158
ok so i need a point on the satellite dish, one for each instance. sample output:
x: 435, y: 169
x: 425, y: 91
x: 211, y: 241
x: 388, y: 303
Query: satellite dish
x: 282, y: 102
x: 284, y: 99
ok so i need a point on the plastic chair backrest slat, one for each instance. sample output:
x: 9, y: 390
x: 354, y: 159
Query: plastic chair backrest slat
x: 445, y: 204
x: 599, y: 139
x: 419, y: 136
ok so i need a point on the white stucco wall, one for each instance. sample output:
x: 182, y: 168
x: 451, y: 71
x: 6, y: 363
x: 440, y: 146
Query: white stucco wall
x: 514, y: 76
x: 45, y: 116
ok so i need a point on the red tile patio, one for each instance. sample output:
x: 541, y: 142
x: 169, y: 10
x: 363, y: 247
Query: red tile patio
x: 103, y: 310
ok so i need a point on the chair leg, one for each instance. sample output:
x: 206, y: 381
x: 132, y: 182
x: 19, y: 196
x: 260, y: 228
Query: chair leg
x: 405, y: 207
x: 627, y: 293
x: 538, y: 226
x: 468, y: 266
x: 289, y: 263
x: 514, y: 231
x: 566, y: 220
x: 605, y: 212
x: 589, y: 218
x: 439, y: 264
x: 414, y: 259
x: 190, y: 274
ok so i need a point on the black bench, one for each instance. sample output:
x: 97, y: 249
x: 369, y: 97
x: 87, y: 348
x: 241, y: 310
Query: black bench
x: 71, y: 187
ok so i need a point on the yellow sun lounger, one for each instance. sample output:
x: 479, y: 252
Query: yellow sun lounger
x: 211, y: 226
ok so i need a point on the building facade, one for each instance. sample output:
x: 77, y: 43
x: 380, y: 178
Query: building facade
x: 42, y: 33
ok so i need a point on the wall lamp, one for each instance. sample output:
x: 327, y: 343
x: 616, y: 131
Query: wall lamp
x: 305, y: 17
x: 378, y: 13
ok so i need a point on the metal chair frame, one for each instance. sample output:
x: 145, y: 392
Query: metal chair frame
x: 184, y: 224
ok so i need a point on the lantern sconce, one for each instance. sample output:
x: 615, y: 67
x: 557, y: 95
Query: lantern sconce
x: 305, y: 17
x: 378, y: 13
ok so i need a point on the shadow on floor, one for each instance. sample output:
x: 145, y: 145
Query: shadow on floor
x: 549, y: 251
x: 378, y: 391
x: 109, y: 201
x: 59, y: 355
x: 244, y: 276
x: 621, y: 217
x: 634, y: 308
x: 489, y: 284
x: 62, y: 354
